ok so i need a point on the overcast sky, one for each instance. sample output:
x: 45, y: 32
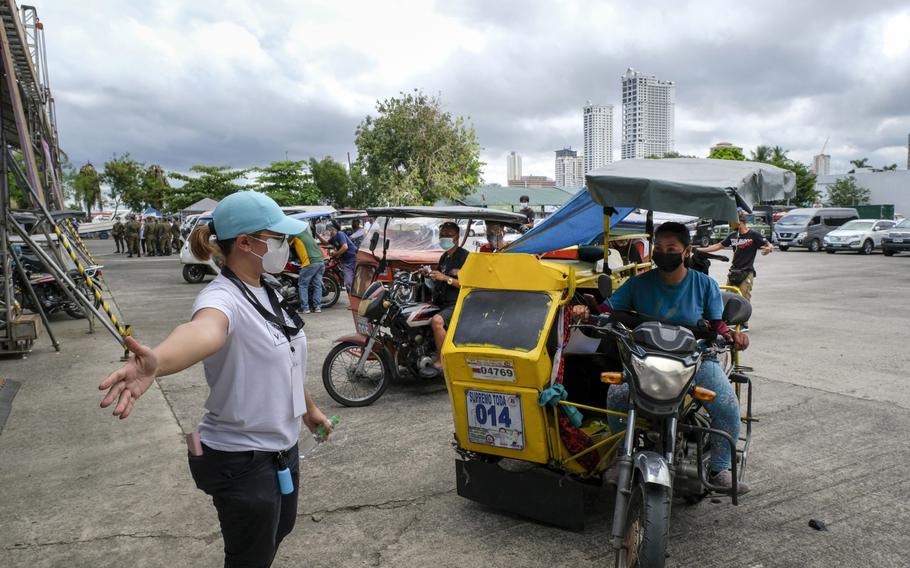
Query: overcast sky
x: 242, y: 83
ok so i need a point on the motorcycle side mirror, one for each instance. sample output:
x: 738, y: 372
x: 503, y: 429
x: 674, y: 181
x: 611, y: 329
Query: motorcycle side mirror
x: 605, y: 286
x: 385, y: 246
x: 374, y: 242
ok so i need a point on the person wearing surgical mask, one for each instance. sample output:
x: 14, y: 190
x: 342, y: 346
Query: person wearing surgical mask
x: 254, y: 353
x: 495, y: 237
x: 446, y: 285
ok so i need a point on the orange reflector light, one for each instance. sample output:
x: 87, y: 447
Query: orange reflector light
x: 703, y: 394
x: 611, y: 377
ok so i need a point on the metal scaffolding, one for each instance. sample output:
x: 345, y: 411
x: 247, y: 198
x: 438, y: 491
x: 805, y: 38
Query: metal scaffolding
x: 28, y: 126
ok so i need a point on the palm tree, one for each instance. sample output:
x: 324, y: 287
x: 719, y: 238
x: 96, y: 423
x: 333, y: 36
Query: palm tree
x: 891, y: 168
x: 779, y: 155
x: 861, y: 163
x: 762, y: 153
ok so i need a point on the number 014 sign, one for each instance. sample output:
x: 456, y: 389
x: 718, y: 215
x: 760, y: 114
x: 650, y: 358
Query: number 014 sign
x: 494, y: 419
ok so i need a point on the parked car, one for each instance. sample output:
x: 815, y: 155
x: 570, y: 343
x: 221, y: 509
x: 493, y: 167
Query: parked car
x: 757, y: 221
x: 897, y: 239
x: 860, y: 235
x: 808, y: 227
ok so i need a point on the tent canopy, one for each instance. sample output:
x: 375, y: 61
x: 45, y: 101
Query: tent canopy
x: 706, y: 188
x: 450, y: 212
x: 577, y: 222
x: 201, y: 206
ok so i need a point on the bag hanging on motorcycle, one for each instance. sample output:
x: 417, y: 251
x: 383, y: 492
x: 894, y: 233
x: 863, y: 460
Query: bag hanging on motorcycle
x: 737, y: 276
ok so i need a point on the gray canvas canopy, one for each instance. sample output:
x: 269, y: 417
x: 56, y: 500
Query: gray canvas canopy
x: 201, y: 206
x: 452, y: 212
x: 710, y: 189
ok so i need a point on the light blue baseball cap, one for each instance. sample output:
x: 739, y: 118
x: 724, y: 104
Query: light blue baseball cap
x: 246, y: 212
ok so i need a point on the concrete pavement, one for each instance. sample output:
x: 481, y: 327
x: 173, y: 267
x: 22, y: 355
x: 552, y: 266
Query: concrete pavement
x: 83, y: 489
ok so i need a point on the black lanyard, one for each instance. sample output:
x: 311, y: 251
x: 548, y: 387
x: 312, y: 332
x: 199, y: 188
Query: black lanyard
x: 277, y: 307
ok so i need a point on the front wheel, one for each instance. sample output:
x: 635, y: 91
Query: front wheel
x: 705, y: 241
x: 784, y: 247
x: 867, y: 247
x: 331, y: 291
x: 348, y: 387
x: 814, y: 245
x: 830, y: 251
x: 193, y: 273
x: 647, y: 528
x: 888, y: 252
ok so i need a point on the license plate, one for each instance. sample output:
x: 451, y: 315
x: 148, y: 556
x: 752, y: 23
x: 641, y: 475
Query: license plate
x: 494, y: 419
x: 493, y: 370
x: 363, y: 325
x: 898, y: 240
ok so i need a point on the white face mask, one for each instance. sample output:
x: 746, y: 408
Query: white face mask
x: 276, y: 256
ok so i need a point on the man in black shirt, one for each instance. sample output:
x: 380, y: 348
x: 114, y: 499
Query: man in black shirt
x: 445, y: 278
x: 746, y: 243
x: 526, y: 210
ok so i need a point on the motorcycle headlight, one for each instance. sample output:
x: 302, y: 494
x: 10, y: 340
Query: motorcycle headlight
x: 661, y: 378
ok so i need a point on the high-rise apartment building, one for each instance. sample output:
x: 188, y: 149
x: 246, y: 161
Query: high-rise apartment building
x: 647, y: 115
x: 570, y: 169
x: 598, y: 121
x: 821, y: 164
x: 513, y: 167
x: 908, y: 151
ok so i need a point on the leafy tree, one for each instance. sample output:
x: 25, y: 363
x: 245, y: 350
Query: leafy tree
x: 779, y: 155
x: 333, y: 182
x: 288, y: 183
x: 727, y: 153
x: 17, y: 193
x: 672, y: 154
x: 414, y: 152
x: 891, y: 168
x: 214, y: 182
x: 860, y: 163
x: 156, y: 191
x: 845, y: 193
x: 124, y: 176
x: 87, y: 186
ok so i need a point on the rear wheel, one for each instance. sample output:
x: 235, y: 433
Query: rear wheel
x: 814, y: 245
x: 784, y: 247
x: 193, y: 273
x: 867, y: 247
x: 331, y: 291
x: 647, y: 528
x: 348, y: 387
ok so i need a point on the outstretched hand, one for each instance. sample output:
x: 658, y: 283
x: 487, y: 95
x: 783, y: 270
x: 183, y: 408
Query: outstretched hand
x: 128, y: 383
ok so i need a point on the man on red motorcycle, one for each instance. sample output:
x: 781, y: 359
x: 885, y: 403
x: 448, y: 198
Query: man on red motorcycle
x: 345, y: 251
x: 445, y: 289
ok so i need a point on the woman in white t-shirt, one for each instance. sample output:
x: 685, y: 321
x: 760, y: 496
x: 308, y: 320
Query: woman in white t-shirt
x: 254, y: 354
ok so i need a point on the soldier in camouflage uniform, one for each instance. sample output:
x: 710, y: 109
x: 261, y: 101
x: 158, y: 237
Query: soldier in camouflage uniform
x: 118, y: 233
x: 164, y: 238
x: 151, y: 236
x: 132, y: 236
x: 175, y: 235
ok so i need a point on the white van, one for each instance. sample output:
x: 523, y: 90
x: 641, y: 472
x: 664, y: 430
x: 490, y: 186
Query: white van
x: 807, y: 227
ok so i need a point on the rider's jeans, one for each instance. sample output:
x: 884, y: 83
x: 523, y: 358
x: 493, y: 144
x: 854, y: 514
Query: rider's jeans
x: 311, y: 274
x: 724, y: 409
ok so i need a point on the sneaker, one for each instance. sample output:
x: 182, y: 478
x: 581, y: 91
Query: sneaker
x: 305, y: 311
x: 724, y: 480
x: 318, y: 310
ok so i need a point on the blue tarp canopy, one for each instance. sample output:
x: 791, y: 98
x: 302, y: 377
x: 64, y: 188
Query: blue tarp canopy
x: 577, y: 222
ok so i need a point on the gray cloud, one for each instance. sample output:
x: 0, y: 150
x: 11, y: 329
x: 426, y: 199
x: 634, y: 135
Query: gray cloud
x: 169, y: 85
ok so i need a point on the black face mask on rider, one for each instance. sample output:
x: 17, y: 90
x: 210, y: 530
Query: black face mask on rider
x: 667, y: 261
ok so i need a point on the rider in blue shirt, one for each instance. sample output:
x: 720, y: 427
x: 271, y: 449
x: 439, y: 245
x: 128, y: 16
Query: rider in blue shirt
x: 673, y: 293
x: 346, y: 251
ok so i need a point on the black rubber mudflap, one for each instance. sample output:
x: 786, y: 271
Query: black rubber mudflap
x: 537, y: 493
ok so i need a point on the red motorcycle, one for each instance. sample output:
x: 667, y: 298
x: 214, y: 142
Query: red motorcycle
x: 332, y: 283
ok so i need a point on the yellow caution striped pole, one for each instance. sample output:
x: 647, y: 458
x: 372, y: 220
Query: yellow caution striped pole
x: 126, y: 351
x: 91, y: 285
x: 75, y: 234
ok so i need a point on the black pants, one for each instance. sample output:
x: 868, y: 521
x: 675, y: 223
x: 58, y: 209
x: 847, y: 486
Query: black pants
x: 254, y: 515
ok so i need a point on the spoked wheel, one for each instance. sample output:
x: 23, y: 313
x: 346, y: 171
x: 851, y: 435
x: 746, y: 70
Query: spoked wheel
x: 331, y: 291
x: 867, y: 247
x: 647, y: 527
x: 193, y: 273
x: 345, y: 385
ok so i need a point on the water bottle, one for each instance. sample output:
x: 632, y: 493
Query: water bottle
x: 311, y: 444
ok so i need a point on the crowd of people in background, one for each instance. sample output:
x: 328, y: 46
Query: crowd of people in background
x: 150, y: 237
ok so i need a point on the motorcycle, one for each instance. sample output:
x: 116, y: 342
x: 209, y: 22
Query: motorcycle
x: 289, y: 280
x: 664, y: 456
x: 358, y: 369
x: 48, y: 291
